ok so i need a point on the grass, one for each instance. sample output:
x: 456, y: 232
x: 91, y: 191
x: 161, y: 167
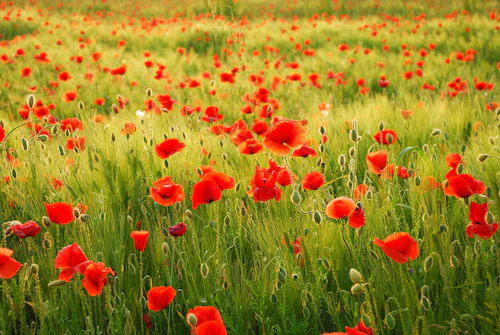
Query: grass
x: 237, y: 254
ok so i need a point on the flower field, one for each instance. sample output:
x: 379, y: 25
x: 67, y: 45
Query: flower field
x: 249, y: 167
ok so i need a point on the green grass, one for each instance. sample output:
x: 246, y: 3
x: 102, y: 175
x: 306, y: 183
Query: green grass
x: 253, y: 278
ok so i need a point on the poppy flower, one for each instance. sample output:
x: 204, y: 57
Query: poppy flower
x: 71, y: 124
x: 205, y: 191
x: 160, y: 297
x: 29, y: 228
x: 129, y: 128
x: 250, y: 147
x: 95, y: 277
x: 357, y: 218
x: 169, y: 147
x: 208, y: 321
x: 76, y: 142
x: 69, y: 96
x: 71, y: 259
x: 304, y: 151
x: 478, y: 225
x: 406, y: 113
x: 360, y: 191
x: 399, y: 247
x: 177, y: 230
x: 59, y: 212
x: 376, y: 161
x: 8, y: 266
x: 382, y: 137
x: 166, y: 102
x: 284, y: 135
x: 264, y: 186
x: 453, y: 160
x: 312, y: 181
x: 462, y: 185
x: 165, y: 192
x: 340, y: 207
x: 223, y: 181
x: 212, y: 114
x: 140, y: 239
x: 359, y: 329
x: 2, y: 134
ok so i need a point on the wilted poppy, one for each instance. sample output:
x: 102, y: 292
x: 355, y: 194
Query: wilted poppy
x: 165, y: 192
x: 59, y: 212
x: 478, y: 225
x: 71, y: 259
x: 340, y: 207
x: 140, y: 239
x: 376, y: 161
x: 95, y: 277
x: 8, y: 266
x: 177, y: 230
x: 29, y: 228
x: 283, y: 135
x: 312, y: 181
x: 208, y: 321
x: 386, y: 137
x: 462, y: 186
x: 399, y: 247
x: 169, y: 147
x: 160, y: 297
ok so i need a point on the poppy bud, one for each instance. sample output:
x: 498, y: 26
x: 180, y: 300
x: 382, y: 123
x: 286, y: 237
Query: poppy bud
x: 489, y: 218
x: 24, y: 143
x: 188, y: 214
x: 482, y: 157
x: 113, y: 137
x: 321, y: 130
x: 295, y: 276
x: 492, y: 140
x: 221, y: 143
x: 84, y: 218
x: 435, y: 132
x: 192, y: 320
x: 353, y: 135
x: 366, y: 320
x: 81, y: 105
x: 319, y: 261
x: 321, y: 148
x: 224, y: 156
x: 354, y: 124
x: 489, y: 192
x: 46, y: 221
x: 165, y: 247
x: 454, y: 262
x: 355, y: 276
x: 389, y: 138
x: 352, y: 151
x: 102, y: 216
x: 115, y: 109
x: 165, y: 163
x: 34, y: 269
x: 56, y: 283
x: 381, y: 125
x: 319, y: 161
x: 296, y: 198
x: 357, y: 289
x: 428, y: 264
x: 31, y: 101
x: 317, y: 217
x: 342, y: 160
x: 417, y: 181
x: 326, y: 263
x: 149, y: 92
x: 443, y: 228
x: 225, y: 285
x: 43, y: 138
x: 204, y: 270
x: 389, y: 321
x: 76, y: 212
x: 373, y: 254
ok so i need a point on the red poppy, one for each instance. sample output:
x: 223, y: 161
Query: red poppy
x: 376, y: 161
x: 478, y: 225
x: 140, y: 239
x: 205, y: 191
x: 283, y: 135
x: 406, y: 113
x: 71, y: 124
x: 129, y: 128
x: 25, y: 72
x: 359, y: 329
x: 462, y: 185
x: 2, y: 134
x: 95, y: 278
x: 76, y: 142
x: 383, y: 137
x: 360, y: 191
x: 208, y: 321
x: 64, y: 76
x: 69, y: 96
x: 357, y: 218
x: 453, y: 160
x: 165, y: 192
x: 29, y: 228
x: 169, y: 147
x: 59, y: 212
x: 177, y: 230
x: 399, y: 247
x: 223, y: 181
x: 71, y: 259
x: 264, y: 186
x: 312, y: 181
x: 160, y: 297
x: 304, y: 151
x: 340, y: 207
x: 212, y: 114
x: 99, y: 101
x: 166, y: 102
x: 8, y: 266
x: 250, y: 147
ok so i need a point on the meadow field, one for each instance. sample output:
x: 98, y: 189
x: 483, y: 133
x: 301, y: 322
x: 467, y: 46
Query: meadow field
x: 249, y: 167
